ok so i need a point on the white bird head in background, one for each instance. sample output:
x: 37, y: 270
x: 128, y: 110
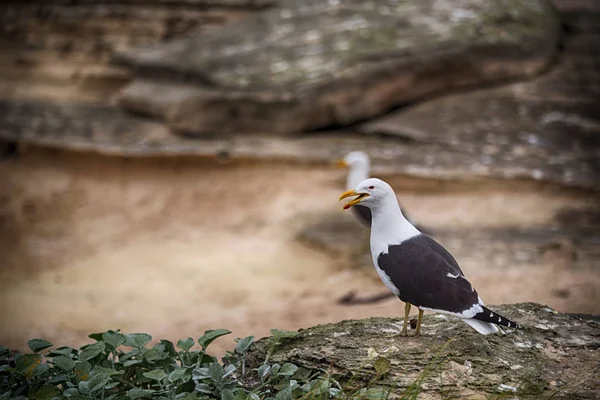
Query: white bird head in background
x: 358, y: 164
x: 355, y: 159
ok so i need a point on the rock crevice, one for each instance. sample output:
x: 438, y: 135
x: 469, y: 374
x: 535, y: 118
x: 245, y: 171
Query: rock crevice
x: 311, y: 65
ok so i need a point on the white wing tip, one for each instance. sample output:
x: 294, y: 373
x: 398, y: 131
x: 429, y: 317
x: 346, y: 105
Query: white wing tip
x: 485, y: 328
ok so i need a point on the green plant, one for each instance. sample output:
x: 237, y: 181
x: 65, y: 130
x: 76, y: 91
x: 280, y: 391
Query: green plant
x: 116, y: 366
x: 124, y: 366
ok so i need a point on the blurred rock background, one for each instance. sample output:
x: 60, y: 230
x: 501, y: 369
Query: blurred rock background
x: 166, y: 164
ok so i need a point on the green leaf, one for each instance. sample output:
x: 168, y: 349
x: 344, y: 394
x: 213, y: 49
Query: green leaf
x: 279, y: 334
x: 205, y: 359
x: 215, y: 371
x: 91, y: 350
x: 227, y: 395
x: 82, y: 370
x: 382, y: 366
x: 137, y: 340
x: 27, y: 363
x: 111, y: 385
x: 128, y: 355
x: 114, y: 338
x: 263, y: 370
x: 83, y: 387
x: 71, y: 392
x: 228, y: 370
x: 303, y: 374
x: 152, y: 355
x: 285, y: 394
x: 204, y: 388
x: 318, y: 387
x: 64, y: 362
x: 275, y: 369
x: 165, y: 363
x: 287, y: 369
x: 41, y: 371
x: 139, y: 393
x: 157, y: 375
x: 169, y: 348
x: 46, y: 393
x: 98, y: 381
x: 374, y: 394
x: 139, y: 376
x: 37, y: 345
x: 129, y: 363
x: 96, y: 336
x: 210, y: 336
x: 187, y: 386
x: 62, y: 351
x: 188, y: 396
x: 185, y: 344
x: 177, y: 375
x: 243, y: 344
x: 323, y: 386
x: 200, y: 373
x: 109, y: 371
x: 59, y: 378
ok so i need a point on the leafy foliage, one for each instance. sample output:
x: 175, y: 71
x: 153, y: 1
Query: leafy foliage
x: 125, y: 366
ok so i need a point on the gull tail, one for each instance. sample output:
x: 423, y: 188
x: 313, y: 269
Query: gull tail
x: 485, y: 328
x: 488, y: 315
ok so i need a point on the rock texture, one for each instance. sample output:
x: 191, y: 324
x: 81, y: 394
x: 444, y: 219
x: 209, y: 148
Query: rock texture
x: 545, y: 129
x: 554, y: 356
x: 313, y: 64
x: 552, y: 122
x: 61, y: 50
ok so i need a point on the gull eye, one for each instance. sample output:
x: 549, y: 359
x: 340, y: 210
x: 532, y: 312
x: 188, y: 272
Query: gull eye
x: 371, y: 187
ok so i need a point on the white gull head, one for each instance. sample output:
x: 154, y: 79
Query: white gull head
x: 359, y: 165
x: 388, y: 225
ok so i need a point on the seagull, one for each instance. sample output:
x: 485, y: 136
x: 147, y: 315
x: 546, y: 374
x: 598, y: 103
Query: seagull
x: 415, y: 267
x: 359, y: 165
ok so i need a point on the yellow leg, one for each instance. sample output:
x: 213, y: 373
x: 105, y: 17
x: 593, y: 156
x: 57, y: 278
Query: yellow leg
x: 405, y: 325
x: 418, y: 331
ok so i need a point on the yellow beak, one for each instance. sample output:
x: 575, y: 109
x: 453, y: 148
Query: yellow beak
x: 351, y: 193
x: 341, y: 164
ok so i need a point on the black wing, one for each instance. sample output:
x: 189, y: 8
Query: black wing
x: 426, y: 275
x: 441, y: 250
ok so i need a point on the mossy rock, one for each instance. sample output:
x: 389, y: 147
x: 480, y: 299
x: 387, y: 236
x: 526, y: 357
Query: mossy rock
x: 553, y: 355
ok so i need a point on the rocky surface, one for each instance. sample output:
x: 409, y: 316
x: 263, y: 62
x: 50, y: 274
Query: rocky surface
x: 314, y: 64
x: 61, y: 50
x: 552, y: 122
x: 554, y: 355
x: 545, y: 129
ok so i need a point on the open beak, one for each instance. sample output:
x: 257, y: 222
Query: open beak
x: 351, y: 193
x: 341, y: 164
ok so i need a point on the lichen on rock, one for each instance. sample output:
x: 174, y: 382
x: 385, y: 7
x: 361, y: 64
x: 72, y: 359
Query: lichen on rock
x: 450, y: 359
